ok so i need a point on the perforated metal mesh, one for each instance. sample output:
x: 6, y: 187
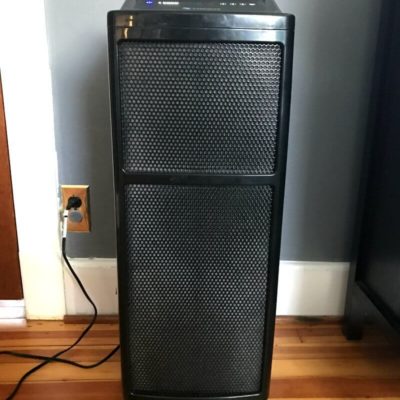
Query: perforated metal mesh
x: 197, y: 272
x: 200, y: 107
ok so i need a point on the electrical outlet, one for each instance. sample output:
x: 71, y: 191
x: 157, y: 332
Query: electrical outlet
x: 79, y: 218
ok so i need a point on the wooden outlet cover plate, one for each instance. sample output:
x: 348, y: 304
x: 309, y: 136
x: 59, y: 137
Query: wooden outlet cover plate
x: 81, y: 191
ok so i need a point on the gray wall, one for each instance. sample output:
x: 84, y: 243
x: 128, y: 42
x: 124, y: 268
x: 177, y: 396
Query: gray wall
x: 333, y: 63
x: 77, y: 36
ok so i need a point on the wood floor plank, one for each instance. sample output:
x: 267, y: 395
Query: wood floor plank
x: 334, y: 339
x: 334, y: 387
x: 322, y: 367
x: 83, y: 354
x: 106, y: 390
x: 342, y: 398
x: 56, y: 372
x: 28, y: 334
x: 55, y: 326
x: 317, y: 351
x: 15, y: 343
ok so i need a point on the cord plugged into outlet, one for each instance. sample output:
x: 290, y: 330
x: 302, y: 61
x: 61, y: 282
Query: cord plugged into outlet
x: 74, y: 202
x: 75, y: 199
x: 75, y: 215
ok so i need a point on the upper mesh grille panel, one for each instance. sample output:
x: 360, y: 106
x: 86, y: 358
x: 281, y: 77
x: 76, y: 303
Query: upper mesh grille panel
x: 200, y: 107
x: 197, y: 283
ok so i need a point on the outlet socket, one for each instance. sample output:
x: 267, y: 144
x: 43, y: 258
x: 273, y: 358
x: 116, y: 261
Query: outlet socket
x: 81, y: 191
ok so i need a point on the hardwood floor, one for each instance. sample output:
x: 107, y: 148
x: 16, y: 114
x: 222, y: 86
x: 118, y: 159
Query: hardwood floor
x: 312, y: 360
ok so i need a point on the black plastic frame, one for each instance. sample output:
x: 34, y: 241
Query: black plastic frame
x: 218, y: 27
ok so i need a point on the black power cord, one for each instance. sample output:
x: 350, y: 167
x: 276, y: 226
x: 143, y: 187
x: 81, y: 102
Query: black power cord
x: 72, y: 203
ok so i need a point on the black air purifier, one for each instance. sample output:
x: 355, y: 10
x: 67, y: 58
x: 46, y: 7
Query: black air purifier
x: 200, y: 106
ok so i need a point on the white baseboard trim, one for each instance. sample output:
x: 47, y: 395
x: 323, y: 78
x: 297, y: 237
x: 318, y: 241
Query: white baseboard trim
x: 309, y: 288
x: 12, y: 309
x: 99, y: 276
x: 305, y: 288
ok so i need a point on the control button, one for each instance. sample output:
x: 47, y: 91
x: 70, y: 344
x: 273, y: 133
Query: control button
x: 242, y: 4
x: 252, y: 4
x: 222, y: 4
x: 232, y: 4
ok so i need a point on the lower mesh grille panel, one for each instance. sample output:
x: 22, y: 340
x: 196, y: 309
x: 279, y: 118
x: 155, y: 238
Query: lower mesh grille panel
x: 199, y: 107
x: 197, y: 283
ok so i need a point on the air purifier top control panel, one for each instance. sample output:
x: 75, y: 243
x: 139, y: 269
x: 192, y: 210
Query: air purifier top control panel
x: 226, y: 6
